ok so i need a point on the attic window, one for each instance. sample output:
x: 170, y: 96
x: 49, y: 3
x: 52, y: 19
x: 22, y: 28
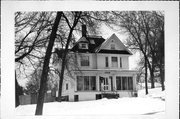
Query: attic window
x: 83, y: 46
x: 92, y: 41
x: 113, y: 47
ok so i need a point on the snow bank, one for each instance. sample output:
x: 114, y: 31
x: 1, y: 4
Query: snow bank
x: 145, y: 105
x: 154, y: 93
x: 98, y: 107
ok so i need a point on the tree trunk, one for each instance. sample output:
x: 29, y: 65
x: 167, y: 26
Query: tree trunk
x: 63, y: 65
x: 76, y: 19
x: 146, y: 81
x: 152, y: 78
x: 18, y: 92
x: 162, y: 79
x: 152, y: 72
x: 43, y: 83
x: 161, y: 56
x: 162, y: 74
x: 145, y: 63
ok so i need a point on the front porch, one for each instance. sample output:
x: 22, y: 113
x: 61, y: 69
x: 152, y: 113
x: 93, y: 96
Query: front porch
x: 92, y: 85
x: 105, y: 80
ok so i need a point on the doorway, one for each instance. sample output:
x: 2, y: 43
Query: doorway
x: 105, y: 83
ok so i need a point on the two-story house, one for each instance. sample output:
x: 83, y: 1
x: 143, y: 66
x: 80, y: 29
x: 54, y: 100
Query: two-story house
x: 103, y: 69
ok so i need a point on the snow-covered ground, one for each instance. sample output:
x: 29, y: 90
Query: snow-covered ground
x: 151, y: 105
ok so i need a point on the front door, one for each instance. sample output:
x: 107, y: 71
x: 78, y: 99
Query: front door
x: 104, y: 84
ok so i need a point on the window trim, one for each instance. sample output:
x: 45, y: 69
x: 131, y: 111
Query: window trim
x: 112, y: 62
x: 84, y: 61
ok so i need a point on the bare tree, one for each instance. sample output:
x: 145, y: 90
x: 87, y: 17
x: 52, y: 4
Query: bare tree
x: 30, y: 28
x: 142, y: 27
x: 31, y: 32
x: 77, y: 16
x: 33, y: 84
x: 39, y: 107
x: 68, y: 60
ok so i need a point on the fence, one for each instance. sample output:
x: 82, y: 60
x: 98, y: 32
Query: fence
x: 32, y: 99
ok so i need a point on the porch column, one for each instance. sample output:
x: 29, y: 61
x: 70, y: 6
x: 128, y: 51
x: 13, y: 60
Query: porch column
x: 134, y: 82
x: 114, y: 82
x: 97, y: 82
x: 118, y: 58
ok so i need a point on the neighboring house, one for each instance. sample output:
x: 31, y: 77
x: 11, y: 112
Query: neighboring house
x: 103, y: 69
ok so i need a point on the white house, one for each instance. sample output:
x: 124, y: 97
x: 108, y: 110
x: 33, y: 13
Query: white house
x: 103, y: 69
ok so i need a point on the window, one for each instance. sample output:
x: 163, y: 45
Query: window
x: 130, y: 83
x: 106, y: 62
x: 124, y: 83
x: 114, y: 61
x: 85, y: 61
x: 80, y: 81
x: 83, y: 46
x: 113, y: 47
x: 66, y: 86
x: 120, y: 62
x: 86, y: 83
x: 118, y: 83
x: 92, y: 41
x: 92, y: 83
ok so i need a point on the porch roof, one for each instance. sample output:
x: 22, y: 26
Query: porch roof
x: 109, y: 71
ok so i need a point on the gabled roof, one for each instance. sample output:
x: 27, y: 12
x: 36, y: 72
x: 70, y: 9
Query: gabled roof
x: 120, y: 50
x: 97, y: 44
x: 82, y: 39
x: 93, y: 43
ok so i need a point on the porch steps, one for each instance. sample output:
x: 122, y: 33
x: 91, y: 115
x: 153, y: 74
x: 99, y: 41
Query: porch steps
x: 109, y: 95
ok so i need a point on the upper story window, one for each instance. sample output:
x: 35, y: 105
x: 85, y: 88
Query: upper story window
x: 85, y: 61
x: 83, y: 46
x: 106, y: 62
x: 114, y: 61
x: 120, y: 62
x: 113, y: 46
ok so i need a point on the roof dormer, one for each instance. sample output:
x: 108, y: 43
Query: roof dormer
x: 83, y: 45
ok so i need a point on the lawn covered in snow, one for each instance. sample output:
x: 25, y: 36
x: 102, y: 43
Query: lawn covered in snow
x: 151, y: 104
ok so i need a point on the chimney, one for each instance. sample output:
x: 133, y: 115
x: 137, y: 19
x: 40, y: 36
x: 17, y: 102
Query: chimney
x: 83, y: 30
